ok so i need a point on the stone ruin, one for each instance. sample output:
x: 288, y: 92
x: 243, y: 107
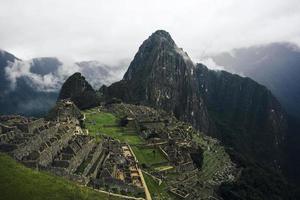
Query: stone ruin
x: 174, y: 139
x: 118, y: 170
x: 57, y: 144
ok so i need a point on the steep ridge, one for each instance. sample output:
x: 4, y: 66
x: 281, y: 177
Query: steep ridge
x: 241, y: 113
x: 275, y: 65
x: 246, y: 115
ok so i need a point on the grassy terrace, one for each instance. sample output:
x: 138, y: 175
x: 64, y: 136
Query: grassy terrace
x: 157, y: 191
x: 213, y: 160
x: 99, y: 123
x: 18, y: 182
x: 149, y: 156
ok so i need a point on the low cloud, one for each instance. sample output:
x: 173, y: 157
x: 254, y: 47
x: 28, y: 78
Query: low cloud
x: 95, y: 72
x: 210, y: 63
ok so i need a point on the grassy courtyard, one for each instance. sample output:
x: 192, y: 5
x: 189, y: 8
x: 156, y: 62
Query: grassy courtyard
x: 103, y: 123
x: 149, y: 156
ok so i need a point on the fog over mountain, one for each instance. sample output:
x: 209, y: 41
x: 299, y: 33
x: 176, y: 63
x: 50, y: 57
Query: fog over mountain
x: 31, y: 87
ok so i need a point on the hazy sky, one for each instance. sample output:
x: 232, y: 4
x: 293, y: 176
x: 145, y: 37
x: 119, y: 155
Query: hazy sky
x: 112, y: 30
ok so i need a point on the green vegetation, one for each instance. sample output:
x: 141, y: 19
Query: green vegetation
x: 214, y: 158
x: 18, y: 182
x: 163, y: 168
x: 103, y: 123
x: 148, y: 156
x: 157, y: 191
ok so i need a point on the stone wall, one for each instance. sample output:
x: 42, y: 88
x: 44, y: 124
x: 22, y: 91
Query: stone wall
x: 49, y: 153
x: 34, y: 143
x: 80, y: 156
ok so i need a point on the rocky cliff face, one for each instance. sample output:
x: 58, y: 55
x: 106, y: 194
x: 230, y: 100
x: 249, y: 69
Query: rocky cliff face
x: 246, y: 114
x: 161, y: 75
x: 238, y: 111
x: 78, y: 90
x: 275, y: 65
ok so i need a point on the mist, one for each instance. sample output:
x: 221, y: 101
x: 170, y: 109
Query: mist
x: 96, y: 73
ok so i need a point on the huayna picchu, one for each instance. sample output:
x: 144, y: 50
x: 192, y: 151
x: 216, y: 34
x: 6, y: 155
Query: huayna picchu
x: 170, y: 129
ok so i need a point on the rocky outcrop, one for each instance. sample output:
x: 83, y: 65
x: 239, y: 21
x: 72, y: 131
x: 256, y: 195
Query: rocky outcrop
x: 237, y: 110
x: 78, y: 90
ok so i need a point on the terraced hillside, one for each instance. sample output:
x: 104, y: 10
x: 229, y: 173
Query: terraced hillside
x: 109, y: 152
x: 176, y: 160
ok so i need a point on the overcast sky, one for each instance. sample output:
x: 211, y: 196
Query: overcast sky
x: 112, y: 30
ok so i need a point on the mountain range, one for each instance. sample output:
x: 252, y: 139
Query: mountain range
x: 275, y: 65
x: 31, y: 87
x: 241, y: 113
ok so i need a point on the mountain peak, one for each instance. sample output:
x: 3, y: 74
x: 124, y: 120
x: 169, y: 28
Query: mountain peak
x: 158, y: 52
x: 161, y: 36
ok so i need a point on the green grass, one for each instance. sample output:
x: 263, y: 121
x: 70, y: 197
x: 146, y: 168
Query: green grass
x: 103, y: 123
x: 146, y: 155
x: 156, y: 191
x: 97, y: 123
x: 18, y: 182
x: 164, y: 168
x: 213, y: 159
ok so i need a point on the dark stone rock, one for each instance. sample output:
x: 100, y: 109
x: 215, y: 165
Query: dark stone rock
x: 78, y: 90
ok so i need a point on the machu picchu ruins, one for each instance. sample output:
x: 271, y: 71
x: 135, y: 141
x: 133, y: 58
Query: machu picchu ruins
x: 137, y: 148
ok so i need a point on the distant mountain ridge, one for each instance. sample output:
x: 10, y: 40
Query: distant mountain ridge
x: 275, y: 65
x: 32, y: 87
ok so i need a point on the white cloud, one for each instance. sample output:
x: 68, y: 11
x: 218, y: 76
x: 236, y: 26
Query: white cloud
x: 209, y: 63
x: 95, y: 72
x: 48, y: 82
x: 112, y: 30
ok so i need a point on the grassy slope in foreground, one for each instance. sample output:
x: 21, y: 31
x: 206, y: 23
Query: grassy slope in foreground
x: 18, y: 182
